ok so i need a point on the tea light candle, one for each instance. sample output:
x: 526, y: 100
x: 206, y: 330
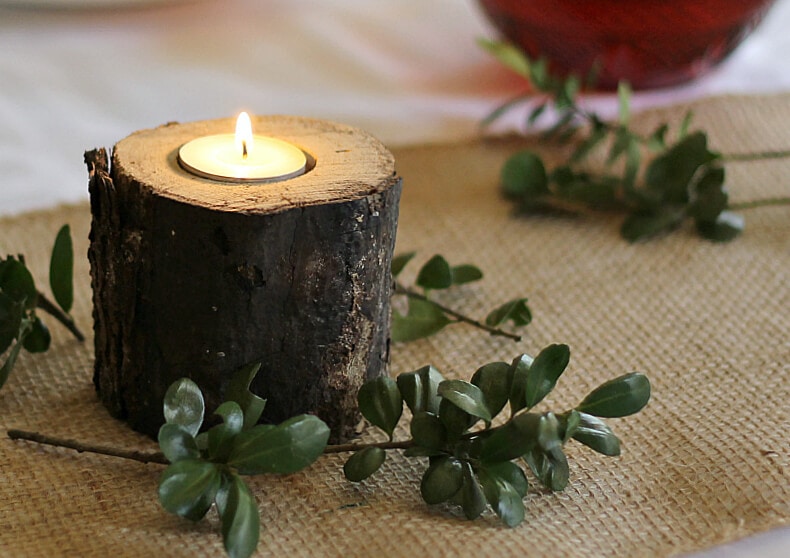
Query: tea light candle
x: 243, y: 156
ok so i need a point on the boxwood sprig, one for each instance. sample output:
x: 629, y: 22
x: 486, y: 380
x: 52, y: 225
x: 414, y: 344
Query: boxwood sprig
x: 426, y: 316
x: 20, y: 326
x: 470, y: 462
x: 474, y: 465
x: 661, y: 182
x: 206, y: 468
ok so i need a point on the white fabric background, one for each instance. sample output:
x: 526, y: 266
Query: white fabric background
x: 406, y: 70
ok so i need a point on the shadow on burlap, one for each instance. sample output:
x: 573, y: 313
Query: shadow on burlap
x: 705, y: 463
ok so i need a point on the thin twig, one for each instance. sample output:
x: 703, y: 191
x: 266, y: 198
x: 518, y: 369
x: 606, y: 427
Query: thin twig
x: 158, y: 457
x: 756, y: 156
x: 141, y: 456
x: 403, y: 290
x: 47, y: 306
x: 341, y: 448
x: 754, y: 204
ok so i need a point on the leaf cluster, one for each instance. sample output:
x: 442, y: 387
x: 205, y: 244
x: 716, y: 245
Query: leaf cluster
x: 20, y: 327
x: 659, y: 183
x: 206, y: 467
x: 556, y: 92
x: 472, y: 463
x: 425, y: 316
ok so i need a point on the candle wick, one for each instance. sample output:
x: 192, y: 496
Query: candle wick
x: 243, y: 149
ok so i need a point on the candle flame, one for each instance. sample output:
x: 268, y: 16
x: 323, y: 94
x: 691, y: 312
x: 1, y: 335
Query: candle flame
x: 244, y: 134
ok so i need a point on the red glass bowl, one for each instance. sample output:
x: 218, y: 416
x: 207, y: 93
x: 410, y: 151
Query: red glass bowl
x: 650, y: 43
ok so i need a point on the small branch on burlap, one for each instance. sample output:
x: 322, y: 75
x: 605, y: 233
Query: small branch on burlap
x: 159, y: 457
x: 403, y: 290
x: 47, y: 306
x: 134, y: 455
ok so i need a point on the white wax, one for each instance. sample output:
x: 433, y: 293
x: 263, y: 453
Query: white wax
x: 219, y: 158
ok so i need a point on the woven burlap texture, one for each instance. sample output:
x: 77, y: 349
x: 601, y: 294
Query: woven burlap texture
x: 705, y: 463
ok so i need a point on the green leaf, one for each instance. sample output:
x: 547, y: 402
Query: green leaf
x: 286, y: 448
x: 549, y: 431
x: 38, y: 338
x: 726, y: 227
x: 61, y: 269
x: 503, y: 497
x: 685, y: 124
x: 232, y: 416
x: 184, y: 405
x: 569, y: 423
x: 221, y: 436
x: 510, y: 473
x: 221, y: 497
x: 671, y: 172
x: 239, y: 391
x: 423, y: 319
x: 515, y: 310
x: 10, y: 360
x: 511, y: 440
x: 633, y: 160
x: 595, y: 434
x: 176, y: 443
x: 539, y: 74
x: 473, y: 501
x: 544, y: 372
x: 428, y: 431
x: 624, y: 99
x: 187, y: 488
x: 466, y: 397
x: 420, y: 389
x: 657, y: 140
x: 565, y: 93
x: 710, y: 197
x: 503, y: 108
x: 400, y: 261
x: 518, y: 389
x: 241, y: 521
x: 442, y: 480
x: 381, y: 403
x: 551, y: 469
x: 435, y: 274
x: 364, y: 463
x: 17, y: 283
x: 454, y: 419
x: 508, y: 55
x: 645, y: 225
x: 494, y: 380
x: 10, y: 321
x: 547, y: 460
x: 524, y: 177
x: 535, y: 113
x: 619, y: 397
x: 466, y: 273
x: 594, y: 191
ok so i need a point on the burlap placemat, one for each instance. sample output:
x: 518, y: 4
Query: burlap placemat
x: 706, y: 462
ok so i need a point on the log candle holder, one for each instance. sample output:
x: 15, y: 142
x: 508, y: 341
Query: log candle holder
x: 197, y: 277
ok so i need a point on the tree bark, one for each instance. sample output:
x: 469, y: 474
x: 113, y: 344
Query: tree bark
x: 196, y: 278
